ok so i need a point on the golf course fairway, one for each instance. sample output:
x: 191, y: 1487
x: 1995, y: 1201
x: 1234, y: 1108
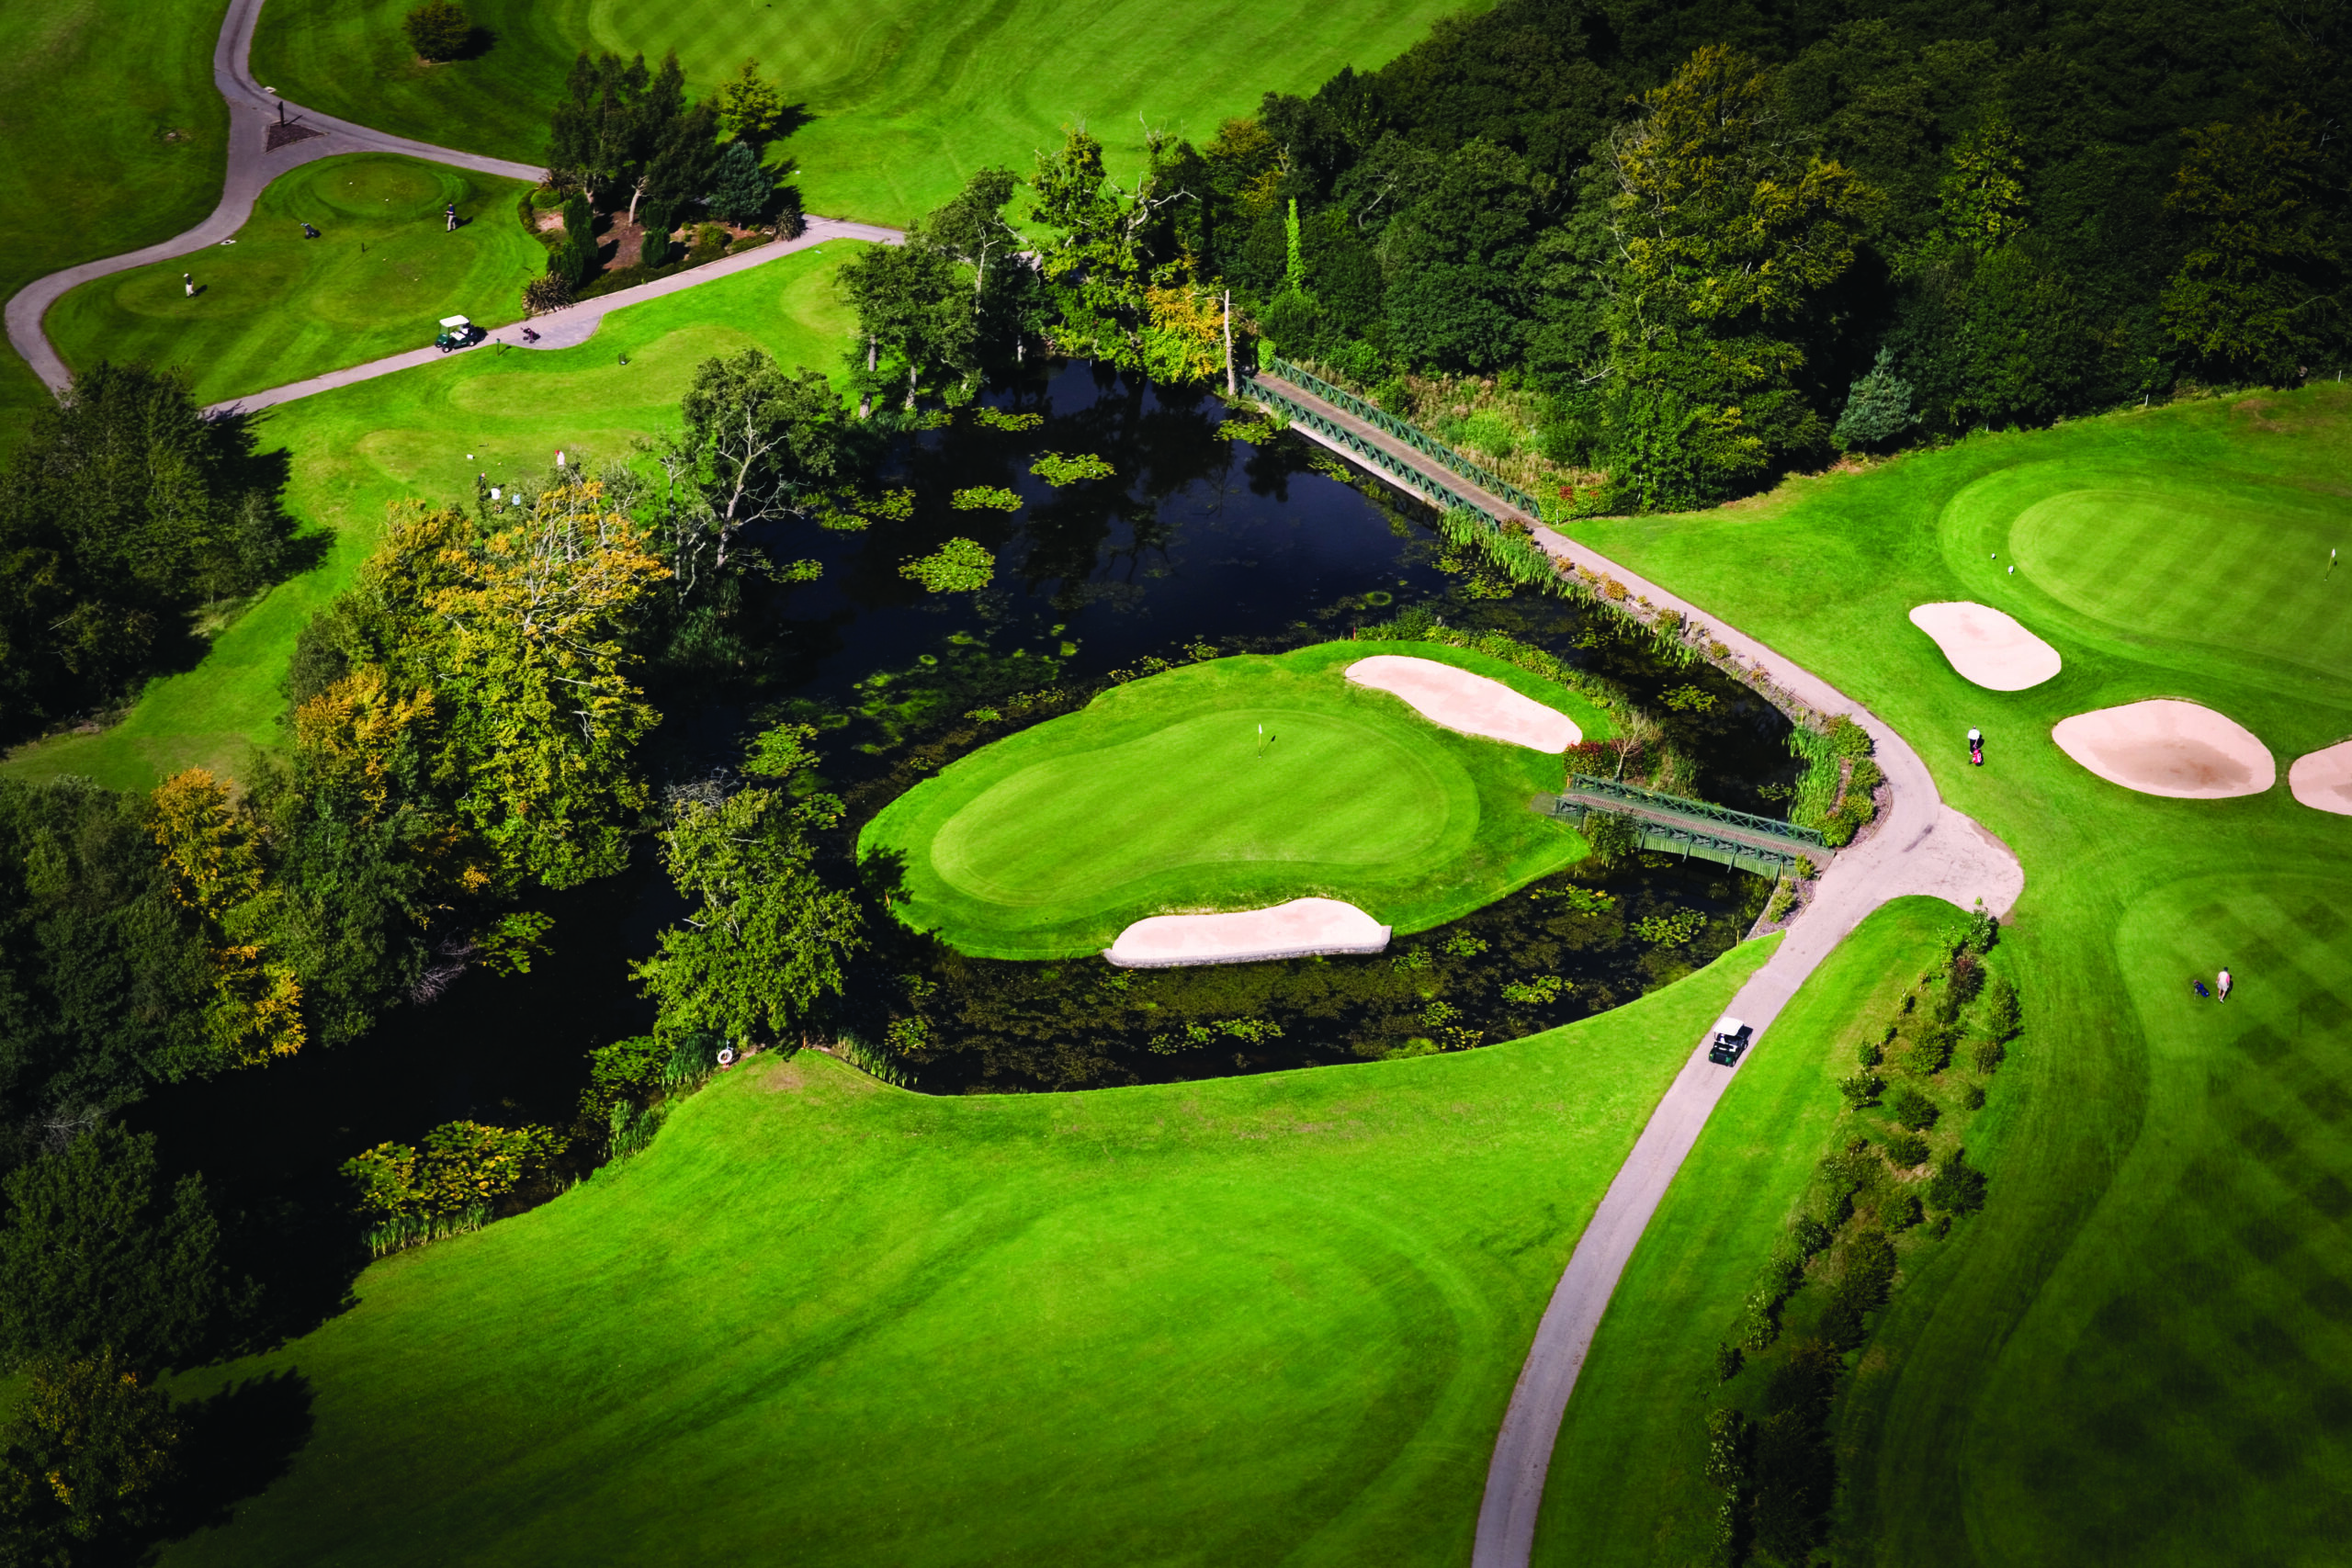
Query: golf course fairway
x: 1229, y: 785
x: 822, y: 1321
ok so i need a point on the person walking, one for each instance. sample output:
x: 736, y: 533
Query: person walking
x: 2223, y: 982
x: 187, y: 280
x: 451, y: 212
x: 1977, y: 748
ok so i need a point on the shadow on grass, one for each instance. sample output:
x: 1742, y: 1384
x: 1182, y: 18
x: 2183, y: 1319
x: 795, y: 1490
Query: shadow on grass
x: 237, y: 1444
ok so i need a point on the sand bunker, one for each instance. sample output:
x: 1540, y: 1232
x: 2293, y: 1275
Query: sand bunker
x: 2322, y: 781
x: 1471, y: 703
x: 1296, y: 930
x: 2165, y: 747
x: 1987, y: 646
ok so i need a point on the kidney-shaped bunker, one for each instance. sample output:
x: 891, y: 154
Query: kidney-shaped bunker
x: 2167, y: 747
x: 1987, y: 646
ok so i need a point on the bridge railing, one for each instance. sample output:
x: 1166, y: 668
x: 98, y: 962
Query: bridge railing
x: 1650, y: 799
x: 1411, y: 436
x: 1405, y: 474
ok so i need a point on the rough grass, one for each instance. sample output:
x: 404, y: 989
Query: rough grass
x: 424, y: 433
x: 906, y: 96
x: 88, y: 89
x: 2137, y: 1353
x: 1161, y: 796
x: 1260, y: 1319
x: 274, y: 307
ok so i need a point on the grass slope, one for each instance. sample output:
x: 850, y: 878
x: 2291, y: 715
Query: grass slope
x: 908, y: 96
x: 275, y: 307
x: 1641, y: 1402
x: 424, y: 433
x: 1161, y: 796
x: 1253, y: 1320
x: 2138, y: 1353
x: 88, y: 91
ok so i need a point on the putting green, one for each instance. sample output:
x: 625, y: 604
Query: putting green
x: 2159, y: 551
x: 274, y: 307
x: 1161, y: 797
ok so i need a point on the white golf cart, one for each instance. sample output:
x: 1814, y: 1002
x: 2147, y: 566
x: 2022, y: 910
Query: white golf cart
x: 457, y: 333
x: 1731, y: 1038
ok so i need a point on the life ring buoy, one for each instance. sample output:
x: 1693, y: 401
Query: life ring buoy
x: 727, y: 1055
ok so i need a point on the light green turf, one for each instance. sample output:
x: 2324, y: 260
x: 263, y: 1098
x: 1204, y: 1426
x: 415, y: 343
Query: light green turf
x: 2137, y: 1353
x: 1161, y: 797
x: 909, y: 96
x: 1251, y: 1320
x: 424, y: 433
x: 88, y: 89
x: 275, y: 307
x: 1632, y: 1416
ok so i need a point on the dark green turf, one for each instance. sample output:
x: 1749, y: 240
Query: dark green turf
x: 276, y: 307
x: 1161, y: 797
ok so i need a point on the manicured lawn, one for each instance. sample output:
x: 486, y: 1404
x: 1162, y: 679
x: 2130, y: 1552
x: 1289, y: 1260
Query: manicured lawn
x: 908, y: 96
x: 424, y: 433
x: 90, y: 90
x: 1251, y: 1320
x: 275, y: 307
x: 2137, y: 1353
x: 1227, y: 786
x: 1641, y: 1402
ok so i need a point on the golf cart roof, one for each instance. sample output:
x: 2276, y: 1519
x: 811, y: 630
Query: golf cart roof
x: 455, y: 321
x: 1728, y: 1025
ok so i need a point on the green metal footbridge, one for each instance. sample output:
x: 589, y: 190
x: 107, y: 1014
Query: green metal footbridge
x: 1694, y: 829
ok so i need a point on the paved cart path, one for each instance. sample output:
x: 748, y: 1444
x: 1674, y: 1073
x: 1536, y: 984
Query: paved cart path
x: 253, y: 111
x: 1919, y: 846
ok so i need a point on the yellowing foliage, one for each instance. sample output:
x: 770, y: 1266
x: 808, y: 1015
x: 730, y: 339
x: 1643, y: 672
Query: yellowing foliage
x: 354, y: 729
x: 214, y: 855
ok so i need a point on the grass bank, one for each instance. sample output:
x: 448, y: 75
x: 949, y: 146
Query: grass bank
x: 904, y: 98
x: 120, y: 141
x: 424, y: 433
x: 1254, y: 1319
x: 275, y: 307
x: 1231, y: 784
x: 2136, y: 1353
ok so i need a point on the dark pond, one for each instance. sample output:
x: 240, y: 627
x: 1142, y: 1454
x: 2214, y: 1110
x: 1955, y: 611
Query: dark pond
x: 1198, y: 540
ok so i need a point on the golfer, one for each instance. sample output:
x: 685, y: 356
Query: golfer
x: 2223, y: 982
x: 188, y: 278
x: 451, y: 210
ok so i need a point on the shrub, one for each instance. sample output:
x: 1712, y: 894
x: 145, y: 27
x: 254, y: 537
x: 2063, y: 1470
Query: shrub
x: 1878, y: 406
x: 1812, y: 1236
x: 1973, y: 1098
x: 1613, y: 838
x: 1861, y: 1089
x: 1913, y: 1109
x: 1988, y: 1056
x: 1907, y: 1151
x: 1931, y: 1047
x: 1870, y: 1054
x: 2002, y: 1015
x: 449, y: 1185
x: 549, y: 291
x: 1905, y: 1211
x: 438, y: 31
x: 1957, y: 1188
x: 99, y: 1250
x: 653, y: 250
x: 627, y: 1069
x: 1728, y: 1360
x: 83, y: 1461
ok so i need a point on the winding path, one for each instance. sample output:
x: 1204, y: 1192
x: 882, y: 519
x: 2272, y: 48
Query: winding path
x: 1920, y: 846
x: 253, y: 164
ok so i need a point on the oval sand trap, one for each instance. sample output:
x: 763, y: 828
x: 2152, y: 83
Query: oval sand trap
x: 1987, y: 646
x: 1296, y: 930
x: 2166, y: 747
x: 2322, y: 781
x: 1471, y: 703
